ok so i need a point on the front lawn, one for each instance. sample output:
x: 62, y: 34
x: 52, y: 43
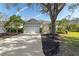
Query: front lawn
x: 69, y: 44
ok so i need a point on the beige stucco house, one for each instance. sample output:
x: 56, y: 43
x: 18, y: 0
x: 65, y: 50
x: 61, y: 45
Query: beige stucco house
x: 34, y: 26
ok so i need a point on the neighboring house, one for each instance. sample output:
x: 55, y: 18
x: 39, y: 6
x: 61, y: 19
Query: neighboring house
x: 1, y: 30
x: 1, y: 27
x: 34, y: 26
x: 45, y: 26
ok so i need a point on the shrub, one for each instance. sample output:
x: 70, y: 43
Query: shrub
x: 21, y: 30
x: 74, y: 27
x: 62, y: 31
x: 13, y: 30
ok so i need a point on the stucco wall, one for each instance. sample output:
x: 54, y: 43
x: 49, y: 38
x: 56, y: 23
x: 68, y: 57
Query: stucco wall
x: 1, y: 30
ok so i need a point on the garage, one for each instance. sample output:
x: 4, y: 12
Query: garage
x: 32, y: 26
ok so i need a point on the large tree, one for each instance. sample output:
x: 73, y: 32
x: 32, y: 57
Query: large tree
x: 53, y: 9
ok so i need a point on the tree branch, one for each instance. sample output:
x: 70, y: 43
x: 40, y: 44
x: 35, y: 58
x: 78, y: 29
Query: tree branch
x: 44, y: 4
x: 61, y: 8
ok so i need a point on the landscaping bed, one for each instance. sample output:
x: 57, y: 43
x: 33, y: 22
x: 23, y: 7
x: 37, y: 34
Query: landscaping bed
x: 5, y: 35
x: 50, y: 44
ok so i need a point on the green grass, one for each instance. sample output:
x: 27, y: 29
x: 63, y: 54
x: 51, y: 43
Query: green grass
x: 70, y: 43
x: 72, y: 38
x: 72, y: 34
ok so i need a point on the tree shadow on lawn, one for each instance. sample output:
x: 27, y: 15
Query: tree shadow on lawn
x: 69, y: 46
x: 74, y: 41
x: 50, y: 44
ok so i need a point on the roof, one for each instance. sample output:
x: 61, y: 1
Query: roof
x: 33, y: 21
x: 44, y: 22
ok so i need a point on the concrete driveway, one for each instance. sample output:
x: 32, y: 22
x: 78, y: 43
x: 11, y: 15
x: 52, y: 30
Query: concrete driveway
x: 22, y: 45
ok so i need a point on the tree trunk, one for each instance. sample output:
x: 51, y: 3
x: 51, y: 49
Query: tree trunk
x: 53, y: 28
x: 53, y: 16
x: 53, y: 25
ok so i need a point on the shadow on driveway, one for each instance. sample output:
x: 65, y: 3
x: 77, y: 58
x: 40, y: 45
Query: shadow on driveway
x: 22, y: 45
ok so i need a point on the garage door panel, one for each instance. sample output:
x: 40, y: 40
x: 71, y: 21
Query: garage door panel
x: 32, y: 29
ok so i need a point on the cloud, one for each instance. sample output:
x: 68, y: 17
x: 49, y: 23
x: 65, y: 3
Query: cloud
x: 38, y: 15
x: 21, y: 10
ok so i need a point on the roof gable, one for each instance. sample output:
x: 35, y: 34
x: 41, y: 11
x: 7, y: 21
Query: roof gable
x: 32, y: 20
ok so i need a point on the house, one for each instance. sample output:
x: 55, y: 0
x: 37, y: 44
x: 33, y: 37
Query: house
x: 45, y: 26
x: 34, y: 26
x: 1, y: 27
x: 1, y: 30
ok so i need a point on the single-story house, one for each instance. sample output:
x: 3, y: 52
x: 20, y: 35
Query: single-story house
x: 34, y: 26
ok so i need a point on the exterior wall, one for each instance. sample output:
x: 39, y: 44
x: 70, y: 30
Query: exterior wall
x: 45, y: 28
x: 1, y: 27
x: 1, y: 30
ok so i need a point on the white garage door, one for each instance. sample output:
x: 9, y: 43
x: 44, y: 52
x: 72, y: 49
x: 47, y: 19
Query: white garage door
x: 32, y: 29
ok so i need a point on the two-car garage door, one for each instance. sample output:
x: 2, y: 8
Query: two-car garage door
x: 32, y: 28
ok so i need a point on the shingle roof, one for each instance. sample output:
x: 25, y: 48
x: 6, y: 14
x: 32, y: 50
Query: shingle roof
x: 37, y: 21
x: 34, y: 20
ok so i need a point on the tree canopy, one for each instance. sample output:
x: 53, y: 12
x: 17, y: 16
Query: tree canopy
x: 14, y: 22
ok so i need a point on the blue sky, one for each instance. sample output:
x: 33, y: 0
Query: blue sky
x: 28, y: 12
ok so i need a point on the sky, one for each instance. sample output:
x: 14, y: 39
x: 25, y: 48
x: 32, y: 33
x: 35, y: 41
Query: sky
x: 33, y: 12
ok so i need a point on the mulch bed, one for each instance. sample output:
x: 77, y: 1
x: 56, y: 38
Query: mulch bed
x: 6, y: 35
x: 50, y: 44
